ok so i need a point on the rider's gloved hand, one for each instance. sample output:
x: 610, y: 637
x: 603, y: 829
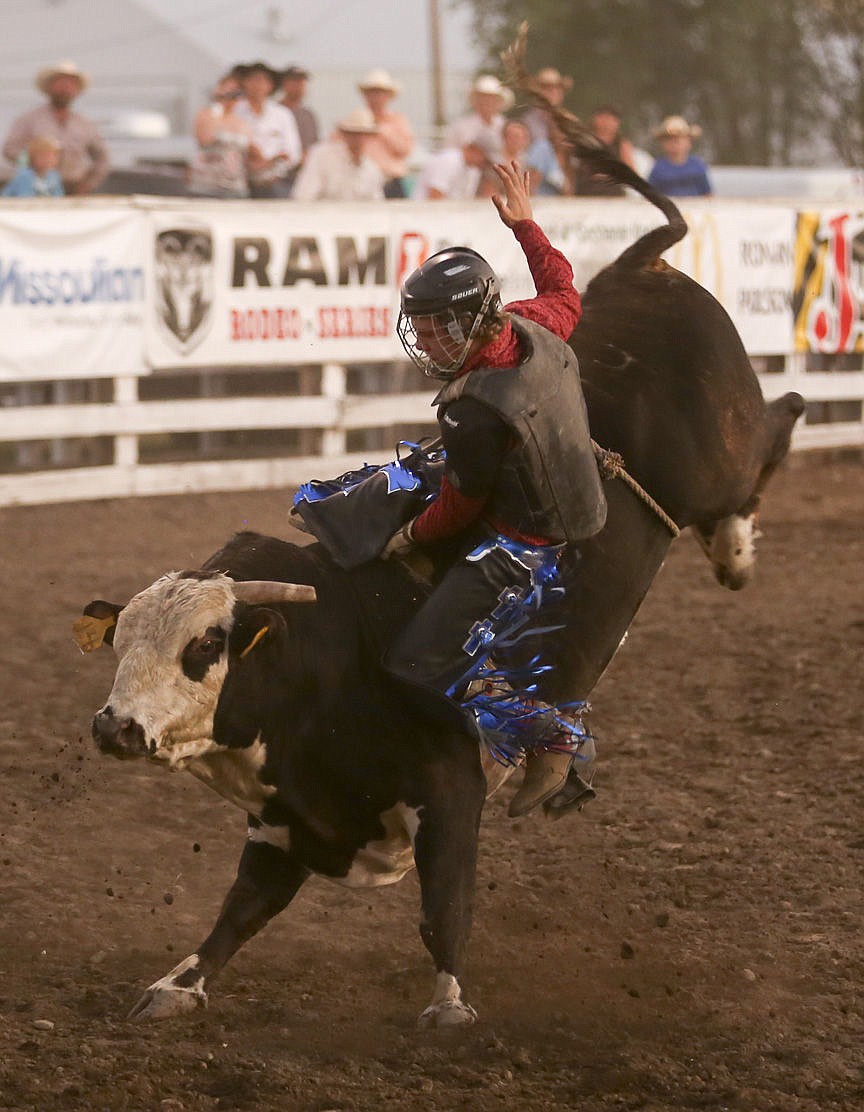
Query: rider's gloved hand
x: 400, y: 543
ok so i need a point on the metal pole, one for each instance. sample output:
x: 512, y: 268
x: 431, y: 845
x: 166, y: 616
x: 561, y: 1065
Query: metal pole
x: 435, y: 63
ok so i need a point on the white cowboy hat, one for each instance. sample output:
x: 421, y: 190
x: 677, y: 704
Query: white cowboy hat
x: 379, y: 79
x: 360, y: 122
x: 61, y: 69
x: 489, y: 84
x: 677, y: 125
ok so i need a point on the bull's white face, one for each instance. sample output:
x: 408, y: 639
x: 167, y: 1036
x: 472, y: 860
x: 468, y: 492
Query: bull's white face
x: 731, y: 547
x: 171, y: 645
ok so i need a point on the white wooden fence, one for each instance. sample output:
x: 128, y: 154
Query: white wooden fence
x: 332, y: 414
x: 67, y: 436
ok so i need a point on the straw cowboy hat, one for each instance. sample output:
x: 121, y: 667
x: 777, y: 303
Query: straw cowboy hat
x: 359, y: 122
x: 61, y: 69
x: 677, y: 125
x: 490, y: 85
x: 379, y: 79
x: 551, y: 76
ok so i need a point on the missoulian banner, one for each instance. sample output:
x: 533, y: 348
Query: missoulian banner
x: 72, y: 290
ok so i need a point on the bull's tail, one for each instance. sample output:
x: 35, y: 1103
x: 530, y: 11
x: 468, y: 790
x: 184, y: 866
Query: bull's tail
x: 587, y: 147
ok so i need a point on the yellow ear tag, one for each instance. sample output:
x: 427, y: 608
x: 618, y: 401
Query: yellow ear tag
x: 262, y: 632
x: 89, y: 632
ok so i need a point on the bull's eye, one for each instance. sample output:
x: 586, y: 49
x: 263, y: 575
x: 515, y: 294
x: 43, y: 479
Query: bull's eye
x: 203, y: 651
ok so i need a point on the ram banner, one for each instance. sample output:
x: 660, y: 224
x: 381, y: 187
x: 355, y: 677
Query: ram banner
x: 281, y: 283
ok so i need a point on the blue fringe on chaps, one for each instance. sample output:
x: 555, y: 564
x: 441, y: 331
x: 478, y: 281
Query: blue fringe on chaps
x: 478, y: 640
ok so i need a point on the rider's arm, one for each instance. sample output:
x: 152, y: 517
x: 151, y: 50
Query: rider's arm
x: 557, y: 305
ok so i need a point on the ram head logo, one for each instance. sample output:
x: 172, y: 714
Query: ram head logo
x: 184, y: 285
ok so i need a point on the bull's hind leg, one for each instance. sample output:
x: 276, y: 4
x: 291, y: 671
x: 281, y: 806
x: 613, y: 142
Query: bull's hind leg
x: 267, y: 881
x: 445, y: 850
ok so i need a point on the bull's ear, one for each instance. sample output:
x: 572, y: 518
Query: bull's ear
x: 252, y: 626
x: 96, y: 626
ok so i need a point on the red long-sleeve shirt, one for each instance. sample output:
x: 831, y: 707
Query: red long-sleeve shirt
x: 557, y: 307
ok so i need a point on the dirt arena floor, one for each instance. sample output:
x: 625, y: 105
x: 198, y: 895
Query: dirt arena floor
x: 691, y: 941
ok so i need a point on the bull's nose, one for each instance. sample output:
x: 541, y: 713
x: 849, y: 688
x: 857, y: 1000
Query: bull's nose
x: 121, y: 737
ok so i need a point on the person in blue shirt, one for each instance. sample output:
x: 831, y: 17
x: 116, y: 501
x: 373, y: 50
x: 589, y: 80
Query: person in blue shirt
x: 677, y: 172
x: 38, y: 176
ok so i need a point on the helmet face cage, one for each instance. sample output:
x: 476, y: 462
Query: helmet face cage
x: 445, y: 333
x: 444, y: 305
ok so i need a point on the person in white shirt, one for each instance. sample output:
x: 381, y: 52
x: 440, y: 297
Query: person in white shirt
x: 276, y: 150
x: 489, y: 101
x: 455, y: 173
x: 339, y: 169
x: 393, y: 141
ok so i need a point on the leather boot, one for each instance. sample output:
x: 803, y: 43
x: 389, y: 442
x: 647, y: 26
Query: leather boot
x: 545, y: 774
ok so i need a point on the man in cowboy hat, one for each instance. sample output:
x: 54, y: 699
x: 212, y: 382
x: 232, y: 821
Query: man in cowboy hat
x: 276, y: 151
x: 489, y: 101
x: 677, y: 172
x: 83, y: 154
x: 393, y: 140
x: 340, y: 169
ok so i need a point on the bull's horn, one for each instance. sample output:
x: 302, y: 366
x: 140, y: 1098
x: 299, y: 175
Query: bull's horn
x: 263, y: 591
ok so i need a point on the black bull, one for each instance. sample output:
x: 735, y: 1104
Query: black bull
x: 670, y: 388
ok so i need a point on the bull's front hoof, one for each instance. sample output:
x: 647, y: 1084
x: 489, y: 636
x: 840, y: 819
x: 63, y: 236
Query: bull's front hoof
x: 449, y: 1013
x: 163, y: 1000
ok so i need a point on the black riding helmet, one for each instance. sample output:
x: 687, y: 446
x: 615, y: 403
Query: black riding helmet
x: 459, y: 291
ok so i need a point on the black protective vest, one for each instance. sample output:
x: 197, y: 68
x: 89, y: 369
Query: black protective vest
x: 548, y: 485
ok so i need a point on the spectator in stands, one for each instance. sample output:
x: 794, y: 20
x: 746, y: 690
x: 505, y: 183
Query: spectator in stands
x: 83, y: 154
x: 219, y: 168
x: 38, y: 176
x: 554, y: 87
x: 515, y: 140
x: 605, y: 125
x: 295, y: 81
x: 550, y: 164
x: 340, y: 169
x: 678, y: 173
x: 393, y: 141
x: 455, y: 173
x: 489, y: 101
x: 275, y: 151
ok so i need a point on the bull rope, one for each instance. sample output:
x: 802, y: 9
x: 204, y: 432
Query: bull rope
x: 611, y: 466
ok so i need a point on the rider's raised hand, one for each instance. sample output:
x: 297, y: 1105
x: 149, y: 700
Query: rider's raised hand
x: 514, y: 201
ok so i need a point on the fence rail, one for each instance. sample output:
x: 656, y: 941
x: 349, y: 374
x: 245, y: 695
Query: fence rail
x: 332, y: 415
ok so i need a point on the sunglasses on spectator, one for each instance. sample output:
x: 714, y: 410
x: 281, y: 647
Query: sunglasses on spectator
x: 236, y: 95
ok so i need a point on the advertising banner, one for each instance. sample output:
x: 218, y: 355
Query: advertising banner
x: 72, y: 290
x: 828, y: 293
x: 744, y: 255
x: 235, y: 284
x: 290, y: 283
x: 118, y: 288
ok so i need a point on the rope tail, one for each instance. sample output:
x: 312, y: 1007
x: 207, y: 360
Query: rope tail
x: 587, y: 147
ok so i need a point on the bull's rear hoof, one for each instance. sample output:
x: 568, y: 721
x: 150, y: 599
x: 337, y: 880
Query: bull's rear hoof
x: 162, y: 1002
x: 449, y: 1013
